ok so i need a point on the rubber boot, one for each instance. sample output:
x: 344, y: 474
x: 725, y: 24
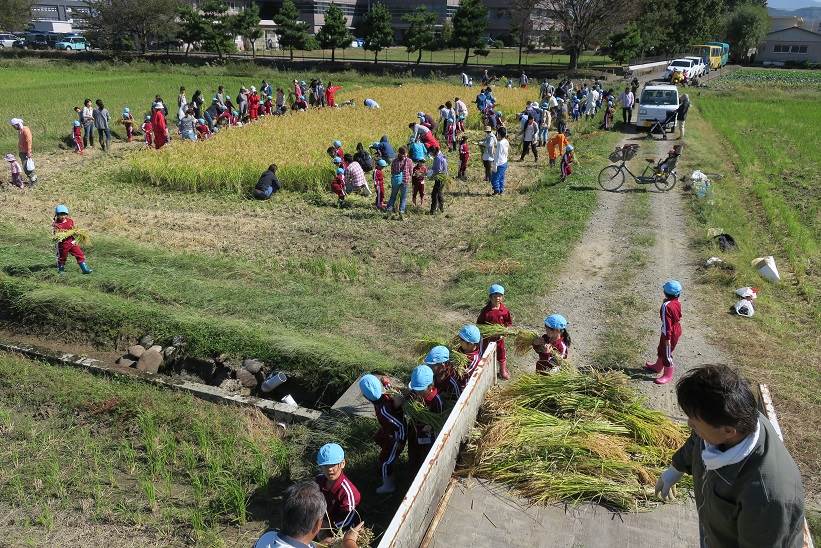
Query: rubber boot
x: 61, y: 269
x: 387, y: 487
x: 654, y: 367
x: 503, y: 372
x: 86, y: 270
x: 666, y: 377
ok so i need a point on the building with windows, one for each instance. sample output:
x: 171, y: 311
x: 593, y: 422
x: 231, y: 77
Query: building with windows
x: 793, y: 45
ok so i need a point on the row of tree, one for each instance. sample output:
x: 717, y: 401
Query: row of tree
x: 661, y: 27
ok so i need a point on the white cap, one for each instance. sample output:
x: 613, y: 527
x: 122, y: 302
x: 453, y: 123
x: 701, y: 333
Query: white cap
x: 16, y: 122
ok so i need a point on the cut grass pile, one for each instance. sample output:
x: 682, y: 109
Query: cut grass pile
x: 233, y: 159
x: 122, y: 452
x: 575, y: 437
x: 43, y: 92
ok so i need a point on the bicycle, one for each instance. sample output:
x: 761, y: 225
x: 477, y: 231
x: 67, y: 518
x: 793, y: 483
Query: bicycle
x: 662, y: 174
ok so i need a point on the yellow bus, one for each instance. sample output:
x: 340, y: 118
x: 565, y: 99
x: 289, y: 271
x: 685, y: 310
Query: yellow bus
x: 710, y: 54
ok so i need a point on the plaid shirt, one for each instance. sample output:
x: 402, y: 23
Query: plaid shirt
x: 405, y: 166
x: 354, y: 176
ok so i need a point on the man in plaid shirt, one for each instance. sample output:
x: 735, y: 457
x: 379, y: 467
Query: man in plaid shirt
x: 355, y: 181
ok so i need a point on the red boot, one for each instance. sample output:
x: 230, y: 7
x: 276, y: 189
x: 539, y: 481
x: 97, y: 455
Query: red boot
x: 666, y: 377
x: 504, y: 374
x: 654, y: 367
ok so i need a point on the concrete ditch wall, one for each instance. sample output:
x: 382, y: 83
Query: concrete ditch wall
x: 411, y: 520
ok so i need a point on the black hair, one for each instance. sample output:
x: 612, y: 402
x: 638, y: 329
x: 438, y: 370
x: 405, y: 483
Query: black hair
x: 331, y: 151
x: 566, y: 337
x: 349, y: 158
x: 272, y: 168
x: 719, y: 396
x: 502, y: 132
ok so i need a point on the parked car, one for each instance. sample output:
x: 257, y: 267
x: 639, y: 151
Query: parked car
x: 699, y: 68
x: 655, y: 103
x: 35, y: 40
x: 74, y: 43
x: 684, y: 66
x: 7, y: 40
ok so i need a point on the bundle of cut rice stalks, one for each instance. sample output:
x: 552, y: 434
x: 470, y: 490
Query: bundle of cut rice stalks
x: 521, y: 337
x: 80, y: 235
x: 575, y: 437
x: 417, y: 414
x: 458, y: 360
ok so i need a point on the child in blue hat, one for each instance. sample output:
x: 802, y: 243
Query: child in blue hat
x: 341, y: 495
x: 63, y: 231
x: 77, y: 135
x: 553, y: 346
x: 127, y: 120
x: 495, y: 312
x: 338, y: 186
x: 379, y: 183
x: 445, y: 380
x: 393, y: 430
x: 422, y: 436
x: 469, y: 340
x: 670, y: 314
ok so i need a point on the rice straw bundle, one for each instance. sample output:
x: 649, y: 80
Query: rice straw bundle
x: 574, y: 437
x: 458, y: 360
x: 81, y: 235
x: 364, y: 540
x: 522, y: 337
x: 416, y: 413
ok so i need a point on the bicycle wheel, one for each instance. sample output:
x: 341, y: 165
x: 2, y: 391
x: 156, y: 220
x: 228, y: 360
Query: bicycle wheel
x: 611, y: 178
x: 667, y: 183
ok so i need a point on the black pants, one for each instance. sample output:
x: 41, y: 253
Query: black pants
x: 627, y: 115
x: 105, y: 138
x: 437, y: 197
x: 528, y: 146
x: 488, y: 165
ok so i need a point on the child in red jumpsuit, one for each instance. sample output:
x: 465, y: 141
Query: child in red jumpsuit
x: 127, y: 120
x: 393, y: 430
x: 670, y: 314
x: 422, y: 436
x: 445, y: 379
x: 495, y: 312
x: 338, y: 186
x: 567, y: 162
x: 203, y: 131
x: 379, y: 184
x: 464, y: 156
x: 148, y: 131
x: 341, y: 495
x: 62, y: 227
x: 78, y: 137
x: 420, y: 171
x: 552, y: 347
x: 469, y: 340
x: 253, y: 104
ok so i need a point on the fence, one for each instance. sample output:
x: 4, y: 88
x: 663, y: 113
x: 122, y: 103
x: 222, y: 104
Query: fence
x: 411, y: 520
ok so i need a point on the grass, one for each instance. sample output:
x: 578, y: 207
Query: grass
x: 41, y: 99
x: 779, y: 345
x: 121, y: 452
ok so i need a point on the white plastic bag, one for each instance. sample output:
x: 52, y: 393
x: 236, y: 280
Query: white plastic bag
x: 745, y: 292
x: 29, y: 164
x: 744, y: 308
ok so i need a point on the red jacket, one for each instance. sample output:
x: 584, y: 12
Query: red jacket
x: 473, y: 362
x: 670, y: 314
x: 391, y: 420
x: 66, y: 224
x: 78, y: 133
x: 464, y: 152
x: 545, y: 351
x: 499, y: 315
x: 330, y: 95
x: 342, y: 498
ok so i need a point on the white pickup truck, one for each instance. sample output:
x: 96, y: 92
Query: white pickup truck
x: 655, y: 103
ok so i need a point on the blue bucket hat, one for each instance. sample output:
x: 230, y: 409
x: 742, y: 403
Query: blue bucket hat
x: 330, y: 454
x: 371, y: 387
x: 337, y: 160
x: 470, y: 333
x: 76, y: 123
x: 126, y: 110
x: 496, y: 288
x: 339, y: 171
x: 556, y: 321
x: 437, y: 354
x: 672, y: 288
x: 60, y: 209
x: 337, y: 144
x: 381, y: 163
x: 421, y: 378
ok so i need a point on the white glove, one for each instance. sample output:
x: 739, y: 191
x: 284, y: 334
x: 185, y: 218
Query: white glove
x: 666, y: 484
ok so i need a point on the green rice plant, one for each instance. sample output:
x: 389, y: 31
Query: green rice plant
x: 522, y: 338
x: 417, y: 413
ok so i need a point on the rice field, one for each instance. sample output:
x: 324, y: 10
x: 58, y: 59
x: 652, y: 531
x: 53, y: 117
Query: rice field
x: 233, y: 159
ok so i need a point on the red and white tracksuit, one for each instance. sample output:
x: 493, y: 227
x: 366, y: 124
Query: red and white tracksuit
x: 473, y: 362
x: 342, y: 497
x: 148, y: 131
x: 546, y: 360
x: 670, y: 314
x: 500, y: 316
x: 422, y: 436
x: 464, y: 156
x: 379, y: 188
x: 78, y: 140
x: 68, y: 246
x: 391, y: 436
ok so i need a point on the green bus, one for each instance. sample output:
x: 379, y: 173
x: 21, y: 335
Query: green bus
x: 710, y: 53
x: 725, y: 51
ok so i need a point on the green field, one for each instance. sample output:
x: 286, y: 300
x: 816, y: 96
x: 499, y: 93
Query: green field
x: 768, y: 201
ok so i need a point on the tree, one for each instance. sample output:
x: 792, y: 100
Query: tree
x: 420, y: 34
x: 656, y: 23
x: 219, y: 27
x: 113, y: 22
x: 292, y: 32
x: 377, y: 30
x: 469, y: 25
x: 746, y: 28
x: 698, y: 21
x: 521, y: 24
x: 581, y: 23
x: 626, y: 45
x: 246, y: 24
x: 15, y: 14
x: 192, y: 26
x: 334, y: 33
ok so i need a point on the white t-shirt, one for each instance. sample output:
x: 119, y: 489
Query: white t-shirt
x: 461, y: 107
x: 489, y: 147
x: 502, y: 151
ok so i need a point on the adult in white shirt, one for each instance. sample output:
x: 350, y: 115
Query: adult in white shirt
x: 627, y: 99
x: 488, y: 146
x: 592, y: 102
x: 499, y: 167
x: 465, y: 80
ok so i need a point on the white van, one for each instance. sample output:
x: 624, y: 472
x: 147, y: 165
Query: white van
x: 655, y: 103
x: 684, y: 66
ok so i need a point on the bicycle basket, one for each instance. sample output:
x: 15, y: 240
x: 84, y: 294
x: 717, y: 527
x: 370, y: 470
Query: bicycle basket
x: 629, y: 151
x: 615, y: 156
